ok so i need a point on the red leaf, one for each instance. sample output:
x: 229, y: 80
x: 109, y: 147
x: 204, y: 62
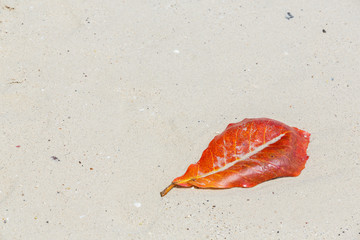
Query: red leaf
x: 246, y: 154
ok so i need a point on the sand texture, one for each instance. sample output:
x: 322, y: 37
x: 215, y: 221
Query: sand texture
x: 104, y: 103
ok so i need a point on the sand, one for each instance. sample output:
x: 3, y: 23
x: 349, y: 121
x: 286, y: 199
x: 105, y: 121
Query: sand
x: 103, y: 103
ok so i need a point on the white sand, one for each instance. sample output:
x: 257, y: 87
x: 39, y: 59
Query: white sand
x: 136, y: 90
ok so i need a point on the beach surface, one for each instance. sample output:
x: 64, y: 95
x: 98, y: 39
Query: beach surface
x: 103, y: 104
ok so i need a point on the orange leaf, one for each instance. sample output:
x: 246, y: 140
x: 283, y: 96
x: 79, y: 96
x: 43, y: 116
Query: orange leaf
x: 246, y: 154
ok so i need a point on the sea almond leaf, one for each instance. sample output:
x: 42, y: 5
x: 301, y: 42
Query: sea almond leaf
x: 246, y: 154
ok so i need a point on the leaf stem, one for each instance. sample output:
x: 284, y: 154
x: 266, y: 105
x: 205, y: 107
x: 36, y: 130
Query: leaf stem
x: 167, y: 189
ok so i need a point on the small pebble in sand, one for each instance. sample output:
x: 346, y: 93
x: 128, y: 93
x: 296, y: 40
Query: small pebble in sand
x: 137, y: 204
x: 289, y: 16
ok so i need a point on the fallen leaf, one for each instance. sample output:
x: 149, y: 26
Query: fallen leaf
x: 246, y: 154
